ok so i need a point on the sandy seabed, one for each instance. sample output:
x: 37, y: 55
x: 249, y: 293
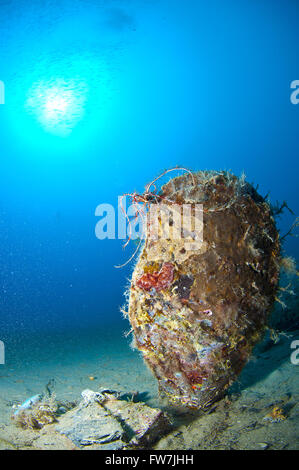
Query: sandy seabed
x: 102, y: 358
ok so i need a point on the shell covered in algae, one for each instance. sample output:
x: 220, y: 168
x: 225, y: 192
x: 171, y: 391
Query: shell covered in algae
x: 197, y: 309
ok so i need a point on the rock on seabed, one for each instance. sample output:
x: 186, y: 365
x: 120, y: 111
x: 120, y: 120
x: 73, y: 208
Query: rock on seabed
x: 101, y: 421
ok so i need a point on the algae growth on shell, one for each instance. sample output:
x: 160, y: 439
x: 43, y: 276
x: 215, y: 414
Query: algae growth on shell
x: 197, y: 310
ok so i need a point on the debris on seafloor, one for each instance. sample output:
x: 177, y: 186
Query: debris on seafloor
x: 27, y: 404
x: 198, y: 305
x: 40, y: 409
x: 104, y: 422
x: 35, y: 412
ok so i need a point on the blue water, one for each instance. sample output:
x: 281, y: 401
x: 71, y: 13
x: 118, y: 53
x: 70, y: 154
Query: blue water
x: 100, y: 98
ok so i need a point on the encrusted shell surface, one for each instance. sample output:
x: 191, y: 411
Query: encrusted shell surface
x: 197, y: 332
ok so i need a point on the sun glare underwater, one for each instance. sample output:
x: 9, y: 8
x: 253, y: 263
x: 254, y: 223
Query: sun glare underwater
x: 59, y: 108
x: 62, y: 90
x: 57, y: 105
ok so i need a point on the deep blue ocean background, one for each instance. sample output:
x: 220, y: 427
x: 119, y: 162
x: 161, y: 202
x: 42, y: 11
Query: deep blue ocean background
x: 149, y: 84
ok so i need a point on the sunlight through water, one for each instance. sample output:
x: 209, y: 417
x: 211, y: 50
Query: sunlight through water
x: 58, y: 104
